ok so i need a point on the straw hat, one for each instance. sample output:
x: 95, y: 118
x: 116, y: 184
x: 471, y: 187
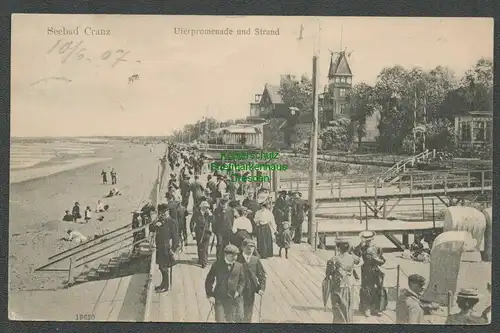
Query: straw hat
x: 468, y: 293
x: 204, y: 204
x: 367, y: 235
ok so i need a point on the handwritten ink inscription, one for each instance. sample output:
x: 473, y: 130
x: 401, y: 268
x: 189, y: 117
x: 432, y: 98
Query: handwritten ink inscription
x: 70, y: 50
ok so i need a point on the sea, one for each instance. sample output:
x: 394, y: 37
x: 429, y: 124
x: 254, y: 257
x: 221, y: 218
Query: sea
x: 29, y: 152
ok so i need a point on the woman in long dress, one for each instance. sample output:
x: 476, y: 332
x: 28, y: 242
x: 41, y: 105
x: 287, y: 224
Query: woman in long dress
x: 340, y: 272
x: 265, y: 229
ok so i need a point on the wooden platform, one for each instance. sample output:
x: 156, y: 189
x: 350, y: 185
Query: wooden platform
x: 293, y: 292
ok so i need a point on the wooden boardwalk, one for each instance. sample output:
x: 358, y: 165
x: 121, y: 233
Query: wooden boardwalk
x: 293, y: 292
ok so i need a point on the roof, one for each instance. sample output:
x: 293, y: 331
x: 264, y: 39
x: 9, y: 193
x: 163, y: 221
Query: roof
x: 340, y: 66
x: 273, y: 92
x: 238, y: 129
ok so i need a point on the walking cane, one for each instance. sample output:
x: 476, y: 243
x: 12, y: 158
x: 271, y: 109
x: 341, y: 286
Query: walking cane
x: 171, y: 279
x: 260, y: 308
x: 210, y: 312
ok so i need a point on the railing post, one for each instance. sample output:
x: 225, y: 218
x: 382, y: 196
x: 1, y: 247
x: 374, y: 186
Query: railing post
x: 482, y: 181
x: 433, y: 217
x: 434, y: 153
x: 400, y: 183
x: 384, y: 210
x: 331, y: 186
x: 411, y: 185
x: 397, y: 282
x: 376, y: 189
x: 468, y: 178
x: 70, y: 271
x: 366, y: 217
x: 423, y: 208
x: 340, y: 189
x: 360, y: 212
x: 445, y: 183
x: 433, y: 181
x: 366, y: 184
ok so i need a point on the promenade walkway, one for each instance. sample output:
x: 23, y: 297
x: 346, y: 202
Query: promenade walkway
x: 293, y: 292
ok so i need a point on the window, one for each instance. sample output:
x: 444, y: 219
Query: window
x: 479, y: 131
x: 489, y: 131
x: 337, y: 79
x: 343, y: 108
x: 342, y: 79
x: 342, y: 92
x: 349, y: 80
x: 465, y: 131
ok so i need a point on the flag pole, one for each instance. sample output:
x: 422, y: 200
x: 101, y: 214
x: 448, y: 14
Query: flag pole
x: 314, y: 147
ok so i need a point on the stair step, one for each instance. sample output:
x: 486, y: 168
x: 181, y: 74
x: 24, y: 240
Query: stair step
x: 103, y: 268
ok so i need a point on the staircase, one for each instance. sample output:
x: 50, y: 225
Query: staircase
x: 102, y: 258
x: 392, y: 174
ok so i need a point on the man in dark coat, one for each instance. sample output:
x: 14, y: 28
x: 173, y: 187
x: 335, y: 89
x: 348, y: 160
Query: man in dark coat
x: 229, y: 279
x: 173, y: 207
x: 299, y: 209
x: 223, y: 224
x: 372, y: 295
x: 197, y: 190
x: 255, y: 277
x: 200, y: 227
x: 231, y: 189
x: 182, y: 214
x: 185, y: 190
x: 167, y: 243
x: 281, y: 210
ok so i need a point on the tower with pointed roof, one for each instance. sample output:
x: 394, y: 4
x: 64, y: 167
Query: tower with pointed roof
x: 339, y: 83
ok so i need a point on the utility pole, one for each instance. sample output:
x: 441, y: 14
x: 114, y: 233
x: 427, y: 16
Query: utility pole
x: 415, y: 123
x: 311, y: 225
x: 206, y: 130
x: 425, y: 119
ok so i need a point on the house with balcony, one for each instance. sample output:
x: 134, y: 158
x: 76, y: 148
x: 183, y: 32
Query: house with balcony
x: 474, y: 129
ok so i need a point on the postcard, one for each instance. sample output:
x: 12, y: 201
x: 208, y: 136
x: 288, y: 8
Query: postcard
x: 251, y: 169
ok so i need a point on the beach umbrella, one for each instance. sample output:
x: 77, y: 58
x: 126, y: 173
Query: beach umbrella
x: 326, y: 290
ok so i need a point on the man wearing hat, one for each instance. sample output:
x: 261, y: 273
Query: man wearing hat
x: 255, y: 277
x: 281, y: 210
x: 167, y: 243
x: 224, y: 286
x: 467, y: 298
x: 299, y: 209
x: 372, y: 296
x: 409, y: 309
x: 197, y: 190
x: 200, y: 227
x: 76, y: 212
x: 223, y: 224
x: 185, y: 190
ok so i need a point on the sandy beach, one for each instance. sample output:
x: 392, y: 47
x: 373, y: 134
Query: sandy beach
x: 36, y: 209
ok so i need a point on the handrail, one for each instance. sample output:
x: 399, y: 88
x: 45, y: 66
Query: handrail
x: 50, y: 263
x: 395, y: 169
x: 88, y: 242
x: 105, y: 254
x: 104, y: 248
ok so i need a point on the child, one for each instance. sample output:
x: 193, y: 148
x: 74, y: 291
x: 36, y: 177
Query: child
x: 284, y: 238
x: 88, y: 214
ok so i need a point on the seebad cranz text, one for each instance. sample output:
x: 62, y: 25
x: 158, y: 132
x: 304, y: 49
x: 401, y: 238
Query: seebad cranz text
x: 89, y: 31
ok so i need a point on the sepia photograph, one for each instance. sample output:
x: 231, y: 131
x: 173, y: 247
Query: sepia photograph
x: 251, y: 169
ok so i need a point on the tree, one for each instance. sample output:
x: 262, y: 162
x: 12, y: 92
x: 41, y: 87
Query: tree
x: 478, y: 86
x: 360, y: 107
x: 337, y: 136
x: 296, y: 93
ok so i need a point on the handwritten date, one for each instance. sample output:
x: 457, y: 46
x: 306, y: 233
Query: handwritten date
x: 72, y: 50
x: 80, y: 317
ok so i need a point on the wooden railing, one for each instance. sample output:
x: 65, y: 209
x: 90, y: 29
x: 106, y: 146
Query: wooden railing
x: 76, y: 254
x: 402, y: 165
x: 350, y: 158
x: 339, y: 187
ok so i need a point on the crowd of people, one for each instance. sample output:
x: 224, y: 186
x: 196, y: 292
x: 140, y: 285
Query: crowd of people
x: 243, y: 234
x: 341, y: 276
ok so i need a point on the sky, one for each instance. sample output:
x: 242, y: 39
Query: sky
x: 183, y: 78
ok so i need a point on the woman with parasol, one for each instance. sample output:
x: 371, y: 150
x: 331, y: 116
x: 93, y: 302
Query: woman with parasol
x: 339, y: 282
